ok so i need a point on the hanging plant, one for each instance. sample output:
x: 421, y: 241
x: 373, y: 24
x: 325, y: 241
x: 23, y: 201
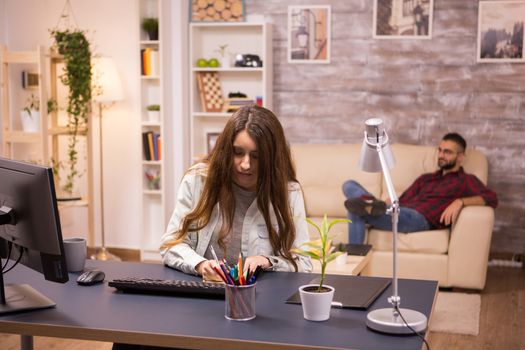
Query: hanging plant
x: 75, y: 49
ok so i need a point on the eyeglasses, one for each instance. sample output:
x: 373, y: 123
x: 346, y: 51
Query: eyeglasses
x: 447, y: 152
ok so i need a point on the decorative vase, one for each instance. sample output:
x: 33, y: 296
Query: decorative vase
x: 316, y: 306
x: 225, y: 62
x: 30, y: 121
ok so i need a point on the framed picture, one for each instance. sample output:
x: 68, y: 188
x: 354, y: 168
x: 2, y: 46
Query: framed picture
x: 217, y: 11
x: 309, y: 34
x: 29, y: 80
x: 211, y: 139
x: 500, y: 31
x: 403, y: 19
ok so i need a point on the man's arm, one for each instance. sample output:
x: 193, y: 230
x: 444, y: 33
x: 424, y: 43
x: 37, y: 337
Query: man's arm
x: 451, y: 213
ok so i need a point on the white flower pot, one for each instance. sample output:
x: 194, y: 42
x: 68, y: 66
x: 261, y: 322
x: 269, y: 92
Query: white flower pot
x: 30, y: 122
x: 154, y: 116
x: 316, y: 306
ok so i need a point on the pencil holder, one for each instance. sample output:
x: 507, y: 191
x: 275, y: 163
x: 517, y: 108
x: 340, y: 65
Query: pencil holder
x: 240, y: 302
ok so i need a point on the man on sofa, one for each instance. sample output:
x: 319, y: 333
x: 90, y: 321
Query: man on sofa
x: 433, y: 201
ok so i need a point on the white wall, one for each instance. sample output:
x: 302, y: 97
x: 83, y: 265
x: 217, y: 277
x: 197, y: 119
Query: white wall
x: 114, y: 31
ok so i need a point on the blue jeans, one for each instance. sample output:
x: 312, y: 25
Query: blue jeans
x: 409, y: 219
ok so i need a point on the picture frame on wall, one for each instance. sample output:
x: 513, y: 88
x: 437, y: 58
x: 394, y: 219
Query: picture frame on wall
x: 403, y: 19
x: 309, y: 34
x: 29, y: 80
x: 211, y: 140
x: 500, y: 31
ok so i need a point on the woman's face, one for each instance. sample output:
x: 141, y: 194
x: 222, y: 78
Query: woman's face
x: 245, y: 161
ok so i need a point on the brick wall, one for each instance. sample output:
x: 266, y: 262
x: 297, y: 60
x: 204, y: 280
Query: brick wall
x: 421, y: 88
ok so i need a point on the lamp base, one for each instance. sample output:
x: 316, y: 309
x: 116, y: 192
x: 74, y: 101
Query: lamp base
x: 388, y: 321
x: 104, y: 255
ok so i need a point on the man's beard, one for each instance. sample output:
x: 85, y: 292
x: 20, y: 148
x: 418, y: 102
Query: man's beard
x: 447, y: 166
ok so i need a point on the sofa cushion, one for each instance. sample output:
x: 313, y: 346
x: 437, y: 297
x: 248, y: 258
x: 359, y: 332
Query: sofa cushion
x: 434, y: 241
x: 410, y: 162
x: 322, y: 170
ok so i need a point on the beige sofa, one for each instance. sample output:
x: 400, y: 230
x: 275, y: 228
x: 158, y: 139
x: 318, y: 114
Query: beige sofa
x: 455, y: 257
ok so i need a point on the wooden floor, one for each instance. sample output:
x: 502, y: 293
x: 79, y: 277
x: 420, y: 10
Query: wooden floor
x: 502, y: 321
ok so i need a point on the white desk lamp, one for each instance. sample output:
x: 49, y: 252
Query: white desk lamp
x: 376, y: 156
x: 110, y: 91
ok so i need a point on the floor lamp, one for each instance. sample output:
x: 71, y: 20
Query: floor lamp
x: 376, y: 156
x: 110, y: 91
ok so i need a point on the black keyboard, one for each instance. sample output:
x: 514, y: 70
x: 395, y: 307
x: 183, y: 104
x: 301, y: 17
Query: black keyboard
x: 169, y: 287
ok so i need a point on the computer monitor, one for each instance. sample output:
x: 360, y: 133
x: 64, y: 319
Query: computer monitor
x: 30, y: 232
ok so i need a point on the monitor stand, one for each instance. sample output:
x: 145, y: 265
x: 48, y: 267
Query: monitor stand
x: 21, y: 297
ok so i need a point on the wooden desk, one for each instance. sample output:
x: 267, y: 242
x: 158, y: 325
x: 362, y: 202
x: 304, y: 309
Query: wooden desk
x: 99, y: 313
x: 353, y: 267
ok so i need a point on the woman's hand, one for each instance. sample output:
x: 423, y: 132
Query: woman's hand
x: 251, y: 263
x: 205, y: 269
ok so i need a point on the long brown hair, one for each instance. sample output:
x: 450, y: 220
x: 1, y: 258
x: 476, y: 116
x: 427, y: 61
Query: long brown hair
x: 275, y: 171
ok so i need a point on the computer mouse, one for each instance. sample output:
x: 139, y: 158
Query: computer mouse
x: 90, y: 277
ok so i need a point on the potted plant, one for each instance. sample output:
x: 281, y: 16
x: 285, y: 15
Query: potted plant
x: 224, y: 56
x: 30, y: 115
x: 75, y: 50
x: 153, y: 113
x: 151, y: 26
x: 316, y: 299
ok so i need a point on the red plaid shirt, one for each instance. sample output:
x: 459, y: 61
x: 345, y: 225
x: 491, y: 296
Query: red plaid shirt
x: 432, y: 193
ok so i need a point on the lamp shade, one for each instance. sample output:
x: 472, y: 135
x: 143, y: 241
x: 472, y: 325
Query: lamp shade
x: 375, y: 135
x: 107, y: 79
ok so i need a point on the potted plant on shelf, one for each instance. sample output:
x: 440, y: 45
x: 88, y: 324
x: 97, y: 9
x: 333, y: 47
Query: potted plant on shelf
x: 153, y: 113
x: 316, y: 299
x: 151, y: 26
x: 224, y: 56
x: 75, y: 50
x: 30, y: 115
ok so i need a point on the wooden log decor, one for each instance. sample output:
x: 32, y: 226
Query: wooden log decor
x: 217, y: 10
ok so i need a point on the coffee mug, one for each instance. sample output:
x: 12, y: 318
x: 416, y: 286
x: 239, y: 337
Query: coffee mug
x: 75, y: 250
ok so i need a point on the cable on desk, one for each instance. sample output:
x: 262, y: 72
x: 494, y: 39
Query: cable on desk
x: 412, y: 329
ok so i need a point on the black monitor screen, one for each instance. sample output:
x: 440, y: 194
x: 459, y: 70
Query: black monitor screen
x: 29, y: 222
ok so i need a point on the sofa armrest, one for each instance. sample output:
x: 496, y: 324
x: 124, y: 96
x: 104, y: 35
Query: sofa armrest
x: 469, y: 247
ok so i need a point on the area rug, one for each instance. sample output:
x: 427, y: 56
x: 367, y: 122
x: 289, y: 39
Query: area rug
x: 456, y: 313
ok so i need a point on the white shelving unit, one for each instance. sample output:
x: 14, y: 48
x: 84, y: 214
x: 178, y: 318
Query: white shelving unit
x: 154, y: 199
x: 240, y: 38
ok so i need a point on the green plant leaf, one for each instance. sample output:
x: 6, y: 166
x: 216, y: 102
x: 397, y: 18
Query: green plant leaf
x: 75, y: 49
x: 314, y: 225
x: 321, y: 249
x: 308, y: 253
x: 337, y: 221
x: 332, y: 256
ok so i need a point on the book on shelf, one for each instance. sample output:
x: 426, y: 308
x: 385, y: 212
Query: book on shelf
x: 150, y: 62
x: 150, y: 146
x: 159, y: 147
x: 234, y: 103
x: 145, y: 146
x: 151, y: 143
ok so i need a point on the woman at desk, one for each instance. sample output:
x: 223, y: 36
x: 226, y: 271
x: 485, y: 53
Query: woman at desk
x: 243, y: 198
